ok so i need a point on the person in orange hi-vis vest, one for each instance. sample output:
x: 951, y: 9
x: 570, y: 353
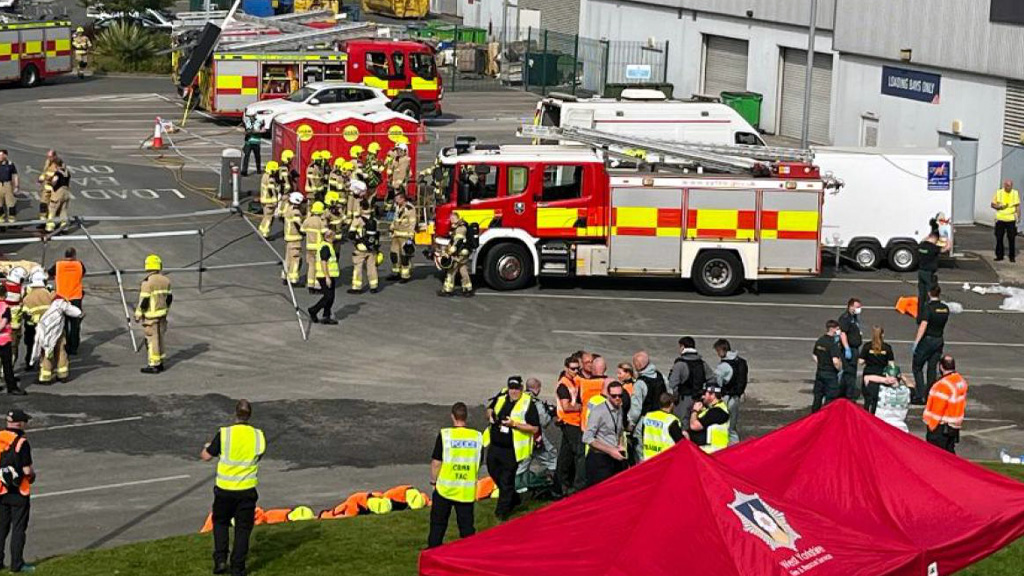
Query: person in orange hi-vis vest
x: 18, y: 476
x: 569, y: 469
x: 68, y: 274
x: 947, y: 401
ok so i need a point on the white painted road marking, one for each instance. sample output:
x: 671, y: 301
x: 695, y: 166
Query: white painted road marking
x: 707, y: 302
x: 765, y: 338
x: 987, y: 430
x: 84, y: 424
x: 111, y: 486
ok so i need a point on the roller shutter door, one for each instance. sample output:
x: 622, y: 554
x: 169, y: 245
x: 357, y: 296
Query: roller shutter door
x: 1013, y: 118
x: 562, y: 16
x: 725, y: 65
x: 794, y: 75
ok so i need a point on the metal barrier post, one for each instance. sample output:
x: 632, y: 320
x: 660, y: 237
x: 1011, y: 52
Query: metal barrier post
x: 544, y: 67
x: 202, y: 234
x: 120, y: 283
x: 291, y: 291
x: 604, y: 77
x: 575, y: 61
x: 526, y: 54
x: 664, y: 66
x: 236, y: 183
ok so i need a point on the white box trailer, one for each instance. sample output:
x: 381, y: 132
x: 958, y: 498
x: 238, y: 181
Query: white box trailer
x: 889, y: 197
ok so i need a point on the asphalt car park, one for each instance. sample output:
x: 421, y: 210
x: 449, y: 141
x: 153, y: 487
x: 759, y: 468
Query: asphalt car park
x: 356, y: 406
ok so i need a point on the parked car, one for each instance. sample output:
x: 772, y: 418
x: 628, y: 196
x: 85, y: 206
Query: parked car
x: 148, y: 18
x: 328, y: 96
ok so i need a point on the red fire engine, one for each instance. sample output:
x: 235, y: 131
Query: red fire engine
x: 32, y: 51
x: 564, y: 211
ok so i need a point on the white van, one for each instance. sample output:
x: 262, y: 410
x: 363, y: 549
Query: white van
x: 649, y: 113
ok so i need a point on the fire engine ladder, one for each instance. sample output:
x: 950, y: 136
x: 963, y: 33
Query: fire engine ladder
x: 287, y: 23
x: 730, y: 158
x: 300, y: 40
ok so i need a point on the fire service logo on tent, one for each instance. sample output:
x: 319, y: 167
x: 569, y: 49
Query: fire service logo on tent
x: 763, y: 521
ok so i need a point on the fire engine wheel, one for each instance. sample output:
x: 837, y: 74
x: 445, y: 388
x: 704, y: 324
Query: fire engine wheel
x: 29, y: 76
x: 508, y: 267
x: 409, y: 108
x: 903, y: 258
x: 717, y: 273
x: 866, y: 256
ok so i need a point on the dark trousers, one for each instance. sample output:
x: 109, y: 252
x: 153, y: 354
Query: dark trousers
x: 7, y: 361
x: 501, y: 466
x: 826, y: 389
x: 944, y: 437
x: 441, y: 511
x: 247, y: 150
x: 1008, y: 229
x: 14, y: 512
x: 601, y: 467
x: 848, y: 378
x: 928, y: 352
x: 570, y: 469
x: 240, y: 507
x: 926, y: 280
x: 73, y: 330
x: 326, y: 301
x: 28, y: 336
x: 870, y: 397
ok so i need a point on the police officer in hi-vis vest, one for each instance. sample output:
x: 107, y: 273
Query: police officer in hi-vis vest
x: 454, y: 467
x: 239, y: 447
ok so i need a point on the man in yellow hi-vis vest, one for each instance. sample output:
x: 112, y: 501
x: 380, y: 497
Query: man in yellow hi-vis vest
x: 513, y: 423
x: 1006, y: 203
x: 240, y: 447
x: 454, y: 467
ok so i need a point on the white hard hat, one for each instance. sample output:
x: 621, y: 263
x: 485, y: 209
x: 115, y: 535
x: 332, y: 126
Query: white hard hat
x: 37, y: 279
x: 17, y: 274
x: 358, y: 186
x: 296, y: 198
x: 403, y: 146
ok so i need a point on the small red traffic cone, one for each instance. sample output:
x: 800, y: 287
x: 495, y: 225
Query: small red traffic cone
x: 158, y: 136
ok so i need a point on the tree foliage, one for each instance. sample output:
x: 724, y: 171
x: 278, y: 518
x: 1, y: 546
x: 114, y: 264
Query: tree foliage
x: 128, y: 6
x: 128, y: 44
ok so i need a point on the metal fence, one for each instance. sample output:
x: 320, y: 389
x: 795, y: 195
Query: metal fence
x: 541, y: 61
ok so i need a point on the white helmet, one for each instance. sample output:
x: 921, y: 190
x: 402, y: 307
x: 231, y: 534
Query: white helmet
x: 37, y: 279
x: 358, y: 186
x: 403, y: 147
x: 296, y: 198
x: 17, y: 274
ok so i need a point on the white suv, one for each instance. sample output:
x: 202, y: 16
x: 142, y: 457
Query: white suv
x: 344, y: 96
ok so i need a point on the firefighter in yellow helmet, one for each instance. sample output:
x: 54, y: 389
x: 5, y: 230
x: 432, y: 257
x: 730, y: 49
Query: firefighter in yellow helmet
x: 366, y: 245
x: 345, y: 194
x: 82, y: 46
x: 45, y: 182
x: 313, y: 227
x: 403, y: 245
x: 288, y: 177
x: 57, y: 209
x: 314, y: 177
x: 270, y: 196
x: 373, y: 167
x: 292, y: 238
x: 454, y: 256
x: 154, y: 302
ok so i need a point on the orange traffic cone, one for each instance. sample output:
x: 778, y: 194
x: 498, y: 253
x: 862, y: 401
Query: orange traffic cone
x: 158, y: 136
x: 907, y: 305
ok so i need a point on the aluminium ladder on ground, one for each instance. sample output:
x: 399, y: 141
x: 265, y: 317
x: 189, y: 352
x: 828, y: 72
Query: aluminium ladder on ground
x: 730, y: 158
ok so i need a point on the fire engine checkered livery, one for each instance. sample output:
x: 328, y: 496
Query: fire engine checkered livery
x: 30, y: 51
x: 236, y: 80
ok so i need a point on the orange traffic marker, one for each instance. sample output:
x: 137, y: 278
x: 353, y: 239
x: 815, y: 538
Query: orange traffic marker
x: 907, y: 305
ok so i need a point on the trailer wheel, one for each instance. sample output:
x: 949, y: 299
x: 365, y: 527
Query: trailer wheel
x: 508, y: 267
x: 866, y: 256
x: 409, y: 108
x: 717, y: 273
x: 903, y: 258
x: 29, y: 76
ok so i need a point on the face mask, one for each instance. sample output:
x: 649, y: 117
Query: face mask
x: 856, y: 311
x: 836, y: 337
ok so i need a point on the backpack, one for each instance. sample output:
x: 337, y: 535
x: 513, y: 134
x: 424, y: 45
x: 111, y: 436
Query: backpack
x: 737, y: 386
x: 10, y: 467
x: 472, y: 236
x: 655, y: 387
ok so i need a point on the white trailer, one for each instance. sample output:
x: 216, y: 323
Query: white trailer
x: 885, y: 206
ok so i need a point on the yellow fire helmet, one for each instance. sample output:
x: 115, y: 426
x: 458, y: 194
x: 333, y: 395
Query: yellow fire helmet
x: 287, y: 156
x: 373, y: 148
x: 271, y: 167
x: 154, y: 263
x: 380, y: 258
x: 340, y: 163
x: 348, y: 166
x: 80, y: 30
x: 315, y: 155
x: 355, y: 151
x: 325, y: 155
x: 332, y: 198
x: 317, y: 208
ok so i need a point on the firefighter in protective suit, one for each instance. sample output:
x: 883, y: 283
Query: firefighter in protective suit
x: 154, y: 302
x: 366, y: 249
x: 313, y: 227
x: 82, y: 46
x: 46, y: 184
x: 270, y: 196
x: 292, y: 239
x: 454, y: 258
x: 314, y: 178
x: 288, y: 177
x: 403, y: 245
